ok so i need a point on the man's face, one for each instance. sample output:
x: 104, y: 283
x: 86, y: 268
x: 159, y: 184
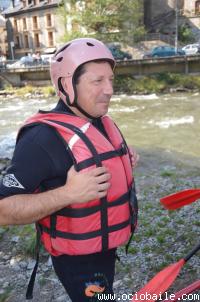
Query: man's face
x: 95, y: 88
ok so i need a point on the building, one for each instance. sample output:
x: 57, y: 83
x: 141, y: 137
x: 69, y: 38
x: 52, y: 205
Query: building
x: 3, y: 37
x: 191, y: 12
x: 160, y: 15
x: 33, y: 26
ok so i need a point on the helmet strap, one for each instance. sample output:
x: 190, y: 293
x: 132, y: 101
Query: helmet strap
x: 75, y: 103
x: 83, y: 111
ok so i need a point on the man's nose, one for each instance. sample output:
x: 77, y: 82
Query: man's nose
x: 108, y: 87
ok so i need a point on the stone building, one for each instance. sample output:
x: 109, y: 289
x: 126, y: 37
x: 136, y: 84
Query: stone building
x: 160, y: 15
x: 33, y: 26
x: 3, y: 37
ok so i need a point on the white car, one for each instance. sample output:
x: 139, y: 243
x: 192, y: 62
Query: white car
x: 22, y: 62
x: 46, y: 58
x: 191, y: 49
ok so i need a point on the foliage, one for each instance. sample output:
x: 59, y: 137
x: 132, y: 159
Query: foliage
x: 185, y: 34
x: 46, y: 91
x: 107, y: 20
x: 5, y: 295
x: 159, y: 83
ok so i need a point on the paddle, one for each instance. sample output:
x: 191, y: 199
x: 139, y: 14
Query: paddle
x: 179, y: 199
x: 183, y: 292
x: 162, y: 281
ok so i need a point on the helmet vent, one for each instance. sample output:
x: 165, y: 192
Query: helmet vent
x: 63, y: 48
x: 60, y: 59
x: 90, y: 44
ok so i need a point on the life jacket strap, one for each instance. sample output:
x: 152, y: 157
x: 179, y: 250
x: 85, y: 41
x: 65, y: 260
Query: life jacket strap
x: 88, y: 235
x: 29, y: 291
x: 83, y: 212
x: 134, y: 214
x: 103, y: 156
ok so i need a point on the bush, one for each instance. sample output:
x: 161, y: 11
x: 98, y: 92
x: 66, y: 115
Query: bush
x: 185, y: 34
x: 158, y: 83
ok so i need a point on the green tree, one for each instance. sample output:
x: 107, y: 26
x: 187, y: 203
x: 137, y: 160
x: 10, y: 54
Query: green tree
x: 185, y: 34
x: 108, y: 20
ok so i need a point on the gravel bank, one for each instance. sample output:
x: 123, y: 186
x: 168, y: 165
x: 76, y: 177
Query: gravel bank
x: 162, y: 237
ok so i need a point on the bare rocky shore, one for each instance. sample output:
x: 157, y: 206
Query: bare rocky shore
x: 162, y: 237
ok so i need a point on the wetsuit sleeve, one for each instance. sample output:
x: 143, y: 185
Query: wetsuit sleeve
x: 40, y: 160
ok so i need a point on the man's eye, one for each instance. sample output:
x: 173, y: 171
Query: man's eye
x: 98, y: 81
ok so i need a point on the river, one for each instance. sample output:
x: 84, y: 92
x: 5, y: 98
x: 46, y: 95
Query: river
x: 170, y: 122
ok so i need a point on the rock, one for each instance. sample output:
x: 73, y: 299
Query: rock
x: 23, y: 264
x: 117, y: 283
x: 15, y: 239
x: 6, y: 284
x: 31, y: 264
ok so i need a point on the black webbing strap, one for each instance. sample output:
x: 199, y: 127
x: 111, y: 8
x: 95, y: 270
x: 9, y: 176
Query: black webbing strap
x: 53, y: 220
x: 29, y: 291
x: 89, y: 235
x: 133, y: 214
x: 103, y: 156
x: 98, y: 163
x: 83, y: 212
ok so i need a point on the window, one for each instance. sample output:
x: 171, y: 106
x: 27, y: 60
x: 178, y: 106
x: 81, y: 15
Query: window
x: 15, y: 25
x: 24, y: 24
x: 48, y: 20
x: 35, y: 22
x: 50, y: 39
x: 36, y: 40
x: 17, y: 42
x: 26, y: 42
x: 197, y: 7
x: 75, y: 26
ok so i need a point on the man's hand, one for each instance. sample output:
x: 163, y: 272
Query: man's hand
x: 80, y: 187
x: 87, y: 186
x: 134, y: 157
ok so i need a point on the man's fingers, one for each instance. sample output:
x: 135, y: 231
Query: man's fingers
x: 99, y: 171
x: 103, y: 187
x: 103, y: 178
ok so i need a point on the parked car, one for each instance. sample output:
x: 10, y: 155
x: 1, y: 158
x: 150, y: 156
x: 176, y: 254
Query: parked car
x: 46, y: 58
x: 163, y: 51
x: 22, y: 62
x: 30, y: 60
x: 119, y: 54
x: 191, y: 49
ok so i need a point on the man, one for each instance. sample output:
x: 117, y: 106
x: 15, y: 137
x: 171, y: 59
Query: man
x: 71, y: 173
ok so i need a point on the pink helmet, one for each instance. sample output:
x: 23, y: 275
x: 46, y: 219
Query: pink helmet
x: 68, y: 58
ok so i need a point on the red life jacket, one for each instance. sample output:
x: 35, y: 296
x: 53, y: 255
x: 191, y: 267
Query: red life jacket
x: 101, y: 224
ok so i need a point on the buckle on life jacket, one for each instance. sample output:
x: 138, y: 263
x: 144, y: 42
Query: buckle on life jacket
x: 122, y: 150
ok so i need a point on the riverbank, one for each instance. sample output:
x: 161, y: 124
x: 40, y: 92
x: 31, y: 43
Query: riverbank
x: 159, y: 83
x: 163, y: 237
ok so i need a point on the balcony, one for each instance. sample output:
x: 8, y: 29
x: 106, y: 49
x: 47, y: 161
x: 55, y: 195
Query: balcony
x: 36, y: 29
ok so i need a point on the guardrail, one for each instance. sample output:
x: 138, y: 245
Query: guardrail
x: 40, y: 72
x: 176, y: 64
